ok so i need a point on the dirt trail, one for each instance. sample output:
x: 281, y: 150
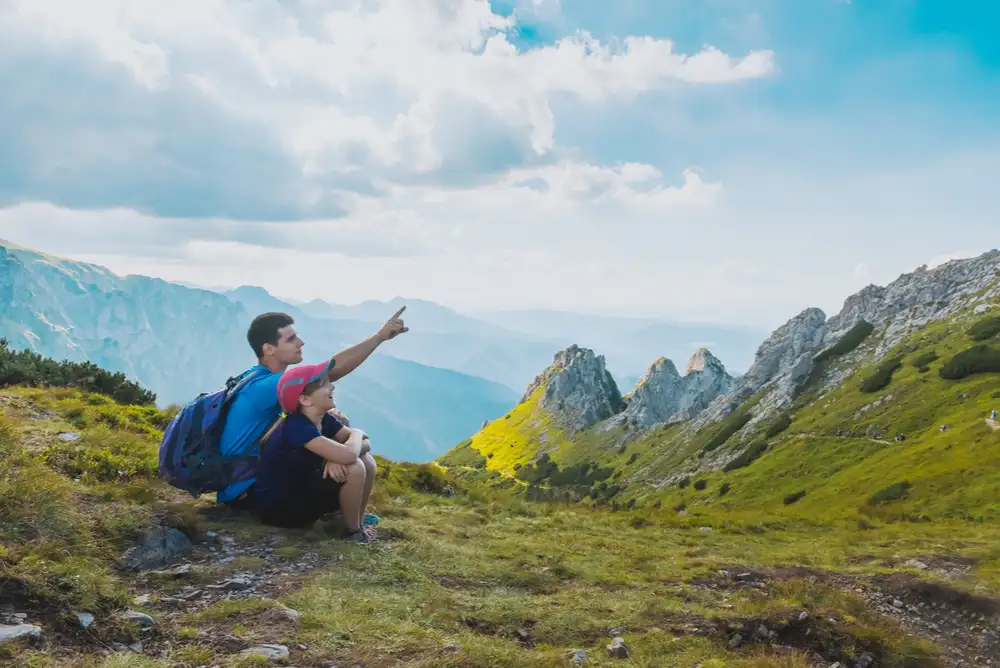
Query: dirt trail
x: 994, y: 425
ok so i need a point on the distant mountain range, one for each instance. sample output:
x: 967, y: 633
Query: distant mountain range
x: 180, y: 341
x: 423, y: 392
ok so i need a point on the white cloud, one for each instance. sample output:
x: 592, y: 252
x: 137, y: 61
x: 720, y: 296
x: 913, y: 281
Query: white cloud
x: 365, y: 86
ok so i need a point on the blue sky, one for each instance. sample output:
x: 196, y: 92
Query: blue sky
x: 569, y: 162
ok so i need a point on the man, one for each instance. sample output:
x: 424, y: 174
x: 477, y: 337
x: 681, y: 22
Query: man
x: 303, y: 473
x: 274, y: 340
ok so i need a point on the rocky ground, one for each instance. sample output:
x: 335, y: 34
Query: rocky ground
x: 191, y: 601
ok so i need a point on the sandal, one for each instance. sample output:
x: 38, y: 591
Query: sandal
x: 370, y: 520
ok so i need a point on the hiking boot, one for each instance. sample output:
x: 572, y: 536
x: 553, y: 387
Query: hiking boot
x: 359, y: 537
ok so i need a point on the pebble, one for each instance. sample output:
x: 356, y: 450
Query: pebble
x: 140, y: 617
x: 269, y: 652
x: 618, y: 649
x: 578, y: 656
x: 84, y: 619
x: 8, y: 633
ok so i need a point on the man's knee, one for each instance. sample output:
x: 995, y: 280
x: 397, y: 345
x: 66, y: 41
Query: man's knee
x: 369, y: 462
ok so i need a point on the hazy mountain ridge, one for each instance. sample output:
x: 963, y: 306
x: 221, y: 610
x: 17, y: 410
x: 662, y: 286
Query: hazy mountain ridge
x: 180, y: 341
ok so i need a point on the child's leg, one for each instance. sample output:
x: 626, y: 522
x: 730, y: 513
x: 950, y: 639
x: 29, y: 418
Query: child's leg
x: 352, y: 493
x: 370, y: 472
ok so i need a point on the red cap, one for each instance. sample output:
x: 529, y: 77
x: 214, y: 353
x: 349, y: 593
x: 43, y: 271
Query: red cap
x: 294, y: 381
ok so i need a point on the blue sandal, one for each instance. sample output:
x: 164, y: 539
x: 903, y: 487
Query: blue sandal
x: 370, y: 520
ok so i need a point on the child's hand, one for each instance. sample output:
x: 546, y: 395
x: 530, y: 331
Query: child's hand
x: 336, y: 471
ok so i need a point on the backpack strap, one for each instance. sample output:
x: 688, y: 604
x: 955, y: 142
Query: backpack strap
x: 239, y: 382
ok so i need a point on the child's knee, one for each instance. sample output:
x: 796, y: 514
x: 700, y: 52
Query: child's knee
x: 356, y: 470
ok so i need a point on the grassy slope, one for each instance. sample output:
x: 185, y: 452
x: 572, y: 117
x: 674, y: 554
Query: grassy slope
x: 954, y: 474
x: 464, y: 581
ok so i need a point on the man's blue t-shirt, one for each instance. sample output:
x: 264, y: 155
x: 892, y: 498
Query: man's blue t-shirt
x: 253, y: 410
x: 286, y: 464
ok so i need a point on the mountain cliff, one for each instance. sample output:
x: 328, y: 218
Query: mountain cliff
x: 664, y: 396
x: 894, y: 392
x: 577, y: 388
x: 180, y: 341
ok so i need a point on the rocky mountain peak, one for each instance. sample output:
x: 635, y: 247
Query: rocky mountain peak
x: 663, y: 395
x: 577, y: 387
x: 704, y: 359
x: 785, y: 359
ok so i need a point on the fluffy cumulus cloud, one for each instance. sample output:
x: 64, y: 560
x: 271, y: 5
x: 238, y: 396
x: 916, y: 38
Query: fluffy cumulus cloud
x: 366, y: 130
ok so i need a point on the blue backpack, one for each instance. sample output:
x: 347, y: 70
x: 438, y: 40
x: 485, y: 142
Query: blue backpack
x: 190, y: 457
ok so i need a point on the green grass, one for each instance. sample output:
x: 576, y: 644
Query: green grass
x: 847, y: 343
x: 986, y: 328
x: 881, y: 377
x: 469, y: 578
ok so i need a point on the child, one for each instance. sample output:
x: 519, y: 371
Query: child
x: 304, y: 473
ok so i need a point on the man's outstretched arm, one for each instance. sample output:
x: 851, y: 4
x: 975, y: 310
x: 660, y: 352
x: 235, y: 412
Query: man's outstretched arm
x: 350, y: 359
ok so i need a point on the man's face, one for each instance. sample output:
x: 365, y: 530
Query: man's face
x: 289, y: 347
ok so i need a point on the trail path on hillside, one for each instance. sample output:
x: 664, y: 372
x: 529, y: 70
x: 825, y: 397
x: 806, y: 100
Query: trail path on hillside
x: 994, y: 425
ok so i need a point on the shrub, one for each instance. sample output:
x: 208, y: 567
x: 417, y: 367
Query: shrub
x: 881, y: 377
x: 684, y: 482
x: 632, y: 458
x: 894, y: 492
x: 986, y: 328
x: 780, y: 424
x: 724, y: 489
x: 700, y: 484
x: 794, y: 497
x: 730, y: 426
x: 748, y: 457
x: 853, y: 338
x: 977, y: 359
x: 923, y: 362
x: 31, y: 369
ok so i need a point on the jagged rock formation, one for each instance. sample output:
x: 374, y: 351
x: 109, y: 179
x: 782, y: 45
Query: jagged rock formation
x: 663, y: 395
x: 578, y: 388
x: 785, y: 359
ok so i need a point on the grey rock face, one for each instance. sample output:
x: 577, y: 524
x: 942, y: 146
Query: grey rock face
x: 784, y: 360
x: 578, y: 388
x: 663, y: 395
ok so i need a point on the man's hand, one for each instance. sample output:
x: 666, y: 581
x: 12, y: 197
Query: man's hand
x: 340, y: 416
x: 336, y: 471
x: 393, y: 327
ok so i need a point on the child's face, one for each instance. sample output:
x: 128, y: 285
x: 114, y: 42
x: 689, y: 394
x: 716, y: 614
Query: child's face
x: 321, y: 398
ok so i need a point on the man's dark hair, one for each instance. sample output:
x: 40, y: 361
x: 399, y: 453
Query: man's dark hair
x: 264, y: 329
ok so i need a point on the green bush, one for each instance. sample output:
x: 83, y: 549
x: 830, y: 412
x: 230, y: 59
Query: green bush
x: 730, y: 426
x: 794, y: 497
x: 700, y: 484
x: 923, y: 362
x: 881, y: 377
x: 684, y: 482
x: 894, y: 492
x: 986, y: 328
x: 724, y: 489
x: 977, y: 359
x: 748, y: 457
x: 32, y: 370
x: 780, y: 424
x: 853, y: 338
